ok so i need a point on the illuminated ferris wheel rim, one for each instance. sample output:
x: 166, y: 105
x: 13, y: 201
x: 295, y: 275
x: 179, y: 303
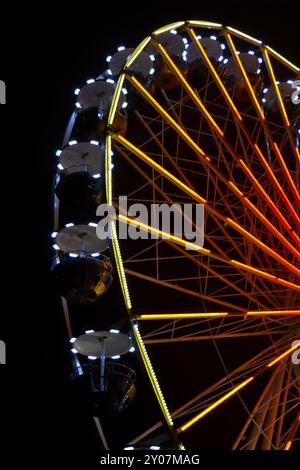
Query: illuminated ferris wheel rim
x: 71, y: 161
x: 267, y: 51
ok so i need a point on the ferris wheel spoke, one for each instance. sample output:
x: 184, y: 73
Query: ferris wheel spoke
x: 219, y: 132
x: 282, y: 110
x: 182, y: 316
x: 206, y: 266
x: 232, y: 392
x: 195, y: 195
x: 178, y: 288
x: 204, y: 251
x: 257, y: 106
x: 262, y: 117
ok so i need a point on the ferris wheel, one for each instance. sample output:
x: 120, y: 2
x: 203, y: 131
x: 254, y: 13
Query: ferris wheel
x: 197, y: 114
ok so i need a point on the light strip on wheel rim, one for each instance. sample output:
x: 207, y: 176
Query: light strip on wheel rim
x: 168, y: 28
x: 137, y: 52
x: 152, y: 376
x: 239, y: 34
x: 115, y: 99
x: 125, y: 290
x: 108, y: 170
x: 282, y: 59
x: 207, y: 24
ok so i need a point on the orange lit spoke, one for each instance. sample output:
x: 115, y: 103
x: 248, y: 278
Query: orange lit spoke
x: 202, y: 250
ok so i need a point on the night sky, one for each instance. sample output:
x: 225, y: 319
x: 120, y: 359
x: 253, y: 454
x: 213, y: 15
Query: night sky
x: 46, y: 53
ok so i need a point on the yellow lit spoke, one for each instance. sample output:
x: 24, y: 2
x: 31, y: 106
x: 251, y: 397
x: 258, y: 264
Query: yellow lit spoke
x: 159, y: 168
x: 168, y: 118
x: 245, y: 76
x: 214, y: 74
x: 162, y: 234
x: 193, y: 246
x: 190, y: 90
x: 214, y: 405
x: 183, y: 316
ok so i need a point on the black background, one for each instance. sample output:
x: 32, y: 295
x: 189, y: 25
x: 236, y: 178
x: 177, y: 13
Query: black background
x: 47, y: 50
